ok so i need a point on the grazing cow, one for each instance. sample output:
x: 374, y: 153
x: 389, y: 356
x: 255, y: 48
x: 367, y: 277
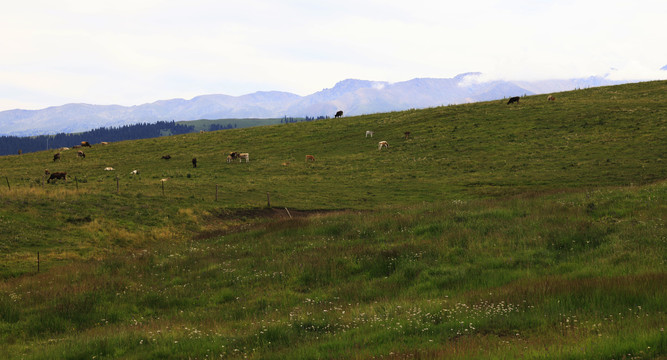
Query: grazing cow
x: 368, y: 132
x: 339, y: 113
x: 81, y: 154
x: 75, y: 147
x: 407, y: 135
x: 85, y: 143
x: 104, y: 143
x: 134, y: 172
x: 285, y: 163
x: 232, y: 156
x: 551, y: 98
x: 514, y: 99
x: 310, y: 158
x: 109, y: 169
x: 245, y: 156
x: 194, y: 162
x: 383, y: 144
x: 56, y: 156
x: 57, y: 175
x: 20, y: 152
x: 166, y: 157
x: 64, y: 148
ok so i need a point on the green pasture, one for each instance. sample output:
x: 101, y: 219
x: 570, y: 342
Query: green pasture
x: 531, y: 230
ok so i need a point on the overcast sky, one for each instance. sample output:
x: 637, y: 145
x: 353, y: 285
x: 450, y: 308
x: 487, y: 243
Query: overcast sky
x: 131, y: 52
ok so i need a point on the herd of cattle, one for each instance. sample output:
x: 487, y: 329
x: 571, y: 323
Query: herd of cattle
x: 61, y: 175
x: 231, y: 156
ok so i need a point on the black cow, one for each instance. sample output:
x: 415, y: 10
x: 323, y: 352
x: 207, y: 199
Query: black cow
x: 513, y: 100
x: 81, y: 154
x: 166, y: 157
x: 85, y: 144
x: 339, y: 113
x: 194, y: 162
x: 57, y: 175
x: 56, y: 156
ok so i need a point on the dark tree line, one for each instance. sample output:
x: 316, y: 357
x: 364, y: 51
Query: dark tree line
x: 289, y: 120
x: 12, y: 144
x: 216, y: 127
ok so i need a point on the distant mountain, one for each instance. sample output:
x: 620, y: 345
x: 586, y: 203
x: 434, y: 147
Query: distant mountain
x: 354, y: 97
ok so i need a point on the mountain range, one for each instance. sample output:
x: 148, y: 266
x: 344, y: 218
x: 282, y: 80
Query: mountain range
x: 354, y: 97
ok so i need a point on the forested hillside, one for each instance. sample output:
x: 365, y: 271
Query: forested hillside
x: 12, y: 144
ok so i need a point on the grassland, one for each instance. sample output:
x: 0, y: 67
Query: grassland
x: 494, y: 231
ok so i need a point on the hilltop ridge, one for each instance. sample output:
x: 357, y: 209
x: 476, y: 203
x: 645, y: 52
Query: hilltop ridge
x: 355, y: 97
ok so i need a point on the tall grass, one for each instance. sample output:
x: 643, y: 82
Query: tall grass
x: 479, y: 279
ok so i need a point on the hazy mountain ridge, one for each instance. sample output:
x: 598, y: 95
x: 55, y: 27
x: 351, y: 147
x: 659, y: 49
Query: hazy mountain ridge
x: 354, y: 97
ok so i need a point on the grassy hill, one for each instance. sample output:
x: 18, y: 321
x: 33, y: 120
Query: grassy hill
x: 532, y: 230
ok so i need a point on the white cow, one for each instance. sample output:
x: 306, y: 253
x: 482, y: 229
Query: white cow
x: 368, y: 132
x: 245, y: 156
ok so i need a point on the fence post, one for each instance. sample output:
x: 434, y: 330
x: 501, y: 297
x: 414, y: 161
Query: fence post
x: 216, y: 192
x: 268, y: 199
x: 162, y: 187
x: 6, y: 178
x: 38, y: 261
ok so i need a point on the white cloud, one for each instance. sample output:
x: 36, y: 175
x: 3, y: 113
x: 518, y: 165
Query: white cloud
x: 135, y: 51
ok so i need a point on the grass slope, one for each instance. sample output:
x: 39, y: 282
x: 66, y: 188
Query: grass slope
x: 495, y: 231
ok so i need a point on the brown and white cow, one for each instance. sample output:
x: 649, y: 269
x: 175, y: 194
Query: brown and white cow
x: 81, y: 154
x: 232, y: 156
x: 310, y: 158
x: 245, y: 156
x: 383, y: 144
x: 85, y: 144
x: 551, y: 98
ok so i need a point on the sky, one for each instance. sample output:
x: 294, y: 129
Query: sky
x: 131, y: 52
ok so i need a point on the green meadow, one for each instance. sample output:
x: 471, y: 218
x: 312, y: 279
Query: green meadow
x: 532, y: 230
